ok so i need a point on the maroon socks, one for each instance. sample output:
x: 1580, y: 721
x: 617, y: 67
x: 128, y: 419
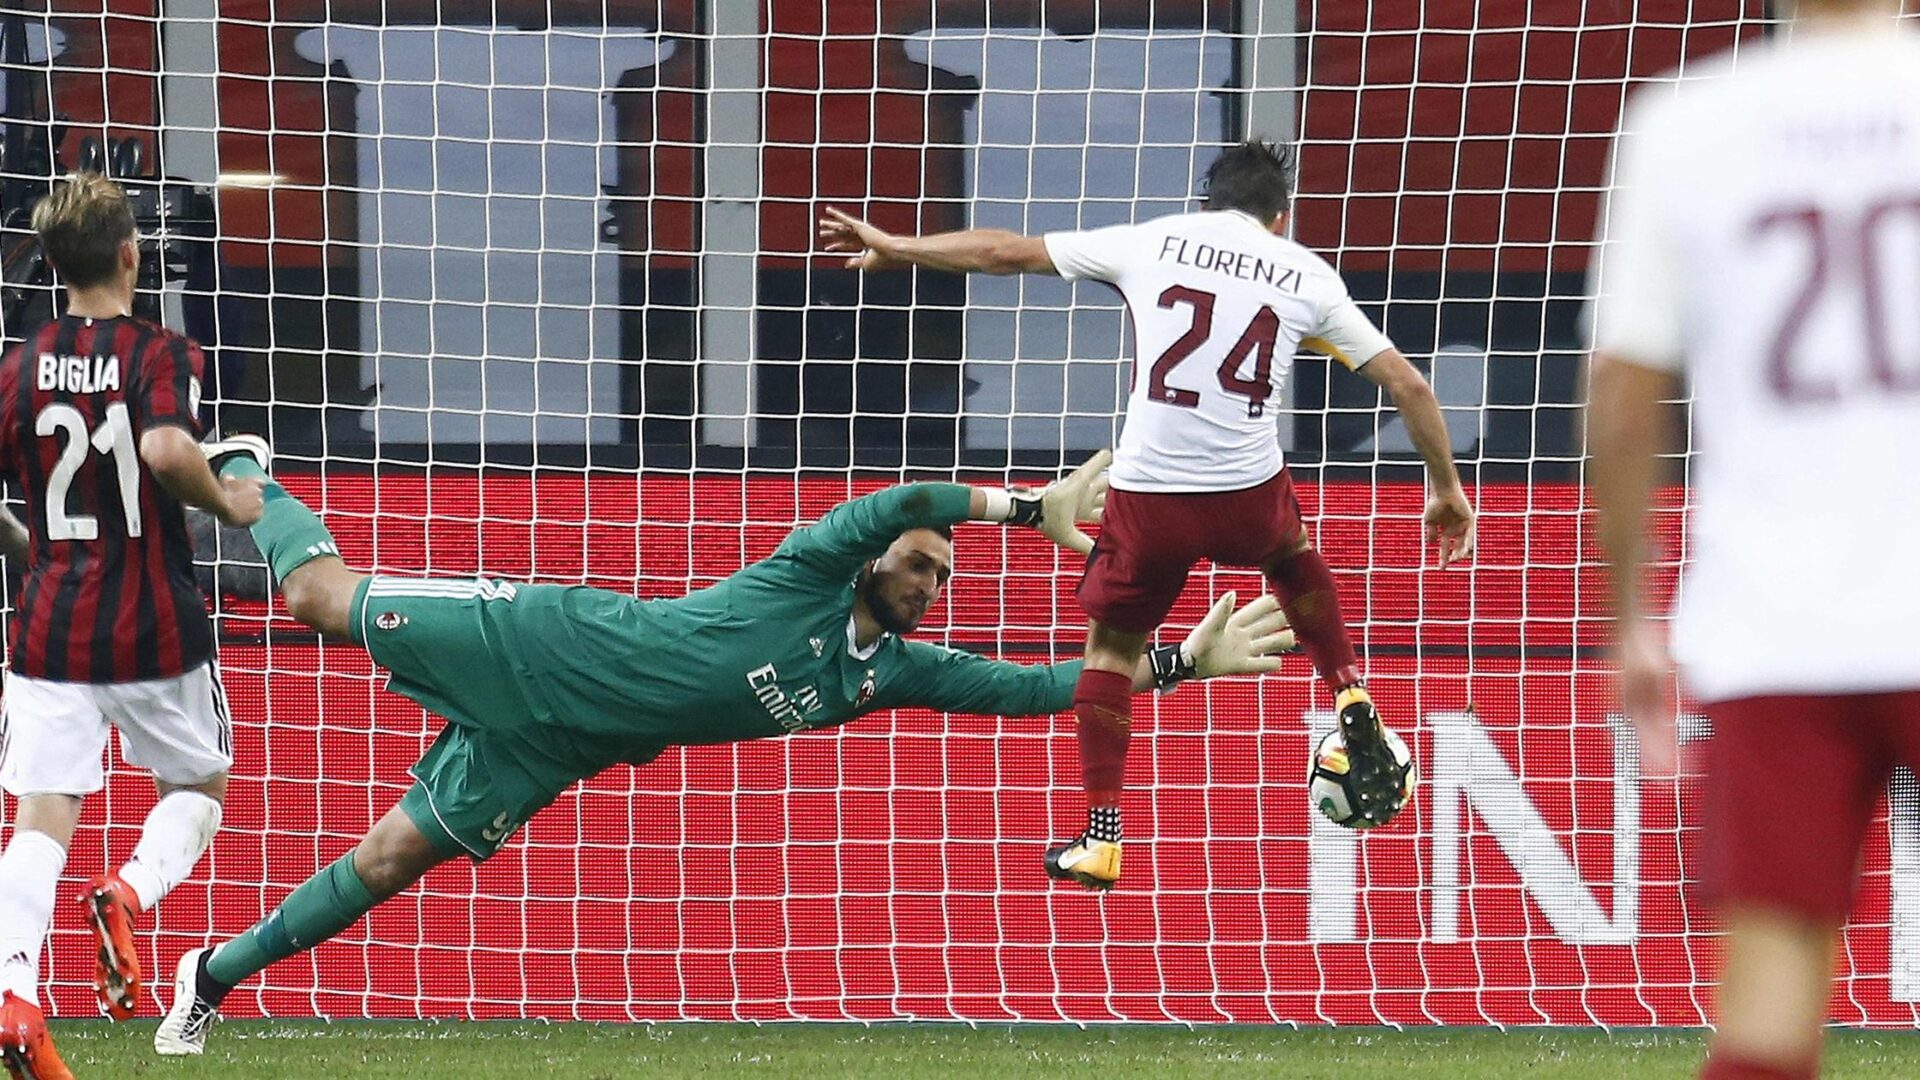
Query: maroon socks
x: 1306, y: 592
x: 1102, y: 707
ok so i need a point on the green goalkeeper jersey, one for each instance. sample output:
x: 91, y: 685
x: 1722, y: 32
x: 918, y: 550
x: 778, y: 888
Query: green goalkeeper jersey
x: 768, y: 651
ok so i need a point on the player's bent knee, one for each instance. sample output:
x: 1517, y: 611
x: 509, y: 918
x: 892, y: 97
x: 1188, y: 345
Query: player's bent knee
x: 214, y: 788
x: 55, y: 815
x: 386, y: 872
x: 1109, y: 649
x: 1291, y: 551
x: 394, y: 855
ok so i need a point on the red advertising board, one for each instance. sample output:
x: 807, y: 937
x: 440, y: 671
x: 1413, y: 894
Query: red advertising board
x: 891, y: 869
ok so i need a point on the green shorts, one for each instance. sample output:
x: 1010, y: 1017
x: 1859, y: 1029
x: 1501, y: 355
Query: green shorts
x: 492, y: 767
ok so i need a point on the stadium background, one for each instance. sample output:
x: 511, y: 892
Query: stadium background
x: 1452, y: 155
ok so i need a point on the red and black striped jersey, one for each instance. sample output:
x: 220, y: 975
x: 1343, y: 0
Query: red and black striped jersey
x: 109, y: 593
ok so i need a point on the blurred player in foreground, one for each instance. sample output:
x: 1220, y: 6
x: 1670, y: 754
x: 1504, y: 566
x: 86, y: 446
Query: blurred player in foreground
x: 1761, y: 239
x: 99, y: 436
x: 1220, y: 302
x: 543, y: 685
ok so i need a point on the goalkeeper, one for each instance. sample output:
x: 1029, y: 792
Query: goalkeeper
x: 543, y: 685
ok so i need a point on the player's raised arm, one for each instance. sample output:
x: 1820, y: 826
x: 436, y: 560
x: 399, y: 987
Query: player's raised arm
x: 1449, y: 518
x: 861, y: 529
x: 969, y: 251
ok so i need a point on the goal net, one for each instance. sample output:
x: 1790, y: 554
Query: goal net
x: 531, y: 290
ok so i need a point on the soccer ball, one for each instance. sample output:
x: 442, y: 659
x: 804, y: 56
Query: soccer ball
x: 1327, y: 779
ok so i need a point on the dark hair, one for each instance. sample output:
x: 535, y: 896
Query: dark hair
x: 1255, y: 177
x: 81, y: 226
x: 945, y: 531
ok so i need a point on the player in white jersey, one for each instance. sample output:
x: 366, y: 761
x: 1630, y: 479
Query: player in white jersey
x: 1760, y: 240
x: 1221, y: 301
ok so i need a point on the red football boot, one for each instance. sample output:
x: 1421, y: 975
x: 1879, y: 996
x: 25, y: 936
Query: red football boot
x: 25, y: 1045
x: 111, y: 909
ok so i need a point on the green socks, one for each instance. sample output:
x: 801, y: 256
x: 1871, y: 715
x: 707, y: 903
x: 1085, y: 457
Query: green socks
x: 329, y: 902
x: 289, y: 534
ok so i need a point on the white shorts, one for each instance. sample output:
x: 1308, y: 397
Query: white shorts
x: 52, y: 734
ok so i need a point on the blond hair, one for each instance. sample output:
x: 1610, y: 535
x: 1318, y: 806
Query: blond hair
x: 81, y: 227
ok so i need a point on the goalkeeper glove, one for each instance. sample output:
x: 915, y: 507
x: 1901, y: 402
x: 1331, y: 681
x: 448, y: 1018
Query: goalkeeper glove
x: 1244, y: 642
x: 1058, y: 509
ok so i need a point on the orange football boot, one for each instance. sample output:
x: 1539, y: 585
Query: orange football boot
x: 111, y: 909
x: 25, y: 1045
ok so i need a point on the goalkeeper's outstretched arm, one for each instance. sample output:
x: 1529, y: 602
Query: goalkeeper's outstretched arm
x: 861, y: 529
x: 967, y: 251
x: 1227, y: 642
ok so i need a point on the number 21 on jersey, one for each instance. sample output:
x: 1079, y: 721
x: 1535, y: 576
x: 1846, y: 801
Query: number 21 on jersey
x: 114, y: 438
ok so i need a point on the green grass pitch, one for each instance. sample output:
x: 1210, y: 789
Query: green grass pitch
x: 465, y: 1051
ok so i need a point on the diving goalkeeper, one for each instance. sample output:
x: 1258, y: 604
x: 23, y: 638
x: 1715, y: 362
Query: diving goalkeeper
x: 544, y: 685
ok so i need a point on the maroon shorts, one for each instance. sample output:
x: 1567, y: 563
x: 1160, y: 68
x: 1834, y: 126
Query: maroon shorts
x: 1149, y: 540
x: 1791, y: 785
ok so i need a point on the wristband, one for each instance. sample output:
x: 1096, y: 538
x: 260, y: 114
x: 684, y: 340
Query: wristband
x: 1012, y: 508
x: 1170, y: 666
x: 999, y: 504
x: 1027, y: 510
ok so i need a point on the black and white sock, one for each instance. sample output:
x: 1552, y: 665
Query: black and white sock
x: 1103, y: 823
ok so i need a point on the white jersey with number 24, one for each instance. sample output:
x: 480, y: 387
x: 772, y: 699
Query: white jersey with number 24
x: 1219, y: 305
x: 1763, y: 237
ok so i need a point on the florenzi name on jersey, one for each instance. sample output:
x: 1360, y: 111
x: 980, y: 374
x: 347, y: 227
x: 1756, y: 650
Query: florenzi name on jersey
x: 1239, y: 264
x: 77, y: 374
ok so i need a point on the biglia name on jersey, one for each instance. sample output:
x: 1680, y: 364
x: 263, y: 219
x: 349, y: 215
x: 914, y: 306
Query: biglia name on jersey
x: 77, y: 374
